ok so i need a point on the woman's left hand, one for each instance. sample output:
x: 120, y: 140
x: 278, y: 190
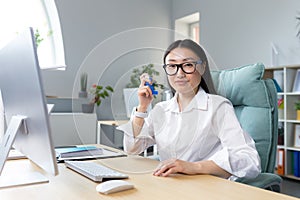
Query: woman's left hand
x: 173, y: 166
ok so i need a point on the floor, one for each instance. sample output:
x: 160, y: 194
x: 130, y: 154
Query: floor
x: 291, y: 187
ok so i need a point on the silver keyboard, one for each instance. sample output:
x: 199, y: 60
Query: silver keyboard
x: 94, y: 171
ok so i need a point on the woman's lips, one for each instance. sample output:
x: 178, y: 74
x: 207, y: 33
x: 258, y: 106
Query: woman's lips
x: 181, y: 82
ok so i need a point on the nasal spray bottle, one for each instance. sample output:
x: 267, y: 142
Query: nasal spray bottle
x: 154, y: 92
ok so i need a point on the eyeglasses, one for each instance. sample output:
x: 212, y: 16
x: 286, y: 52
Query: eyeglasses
x: 186, y: 67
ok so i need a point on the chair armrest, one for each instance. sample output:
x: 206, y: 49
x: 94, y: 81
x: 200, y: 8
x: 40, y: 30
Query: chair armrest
x: 264, y: 180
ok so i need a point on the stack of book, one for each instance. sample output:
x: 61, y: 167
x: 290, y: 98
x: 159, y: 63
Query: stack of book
x: 85, y: 152
x: 77, y: 152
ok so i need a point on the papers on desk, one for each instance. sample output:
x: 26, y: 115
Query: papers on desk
x: 84, y: 152
x: 74, y: 152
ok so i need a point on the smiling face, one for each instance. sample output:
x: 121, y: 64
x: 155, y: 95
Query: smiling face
x: 184, y: 83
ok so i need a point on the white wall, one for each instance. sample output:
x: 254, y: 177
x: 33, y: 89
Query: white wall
x: 86, y: 24
x: 108, y: 38
x: 238, y: 32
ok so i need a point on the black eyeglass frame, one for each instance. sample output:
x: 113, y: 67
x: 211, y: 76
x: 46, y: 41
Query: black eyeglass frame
x: 181, y: 67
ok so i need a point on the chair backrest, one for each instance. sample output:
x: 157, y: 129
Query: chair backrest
x: 255, y: 103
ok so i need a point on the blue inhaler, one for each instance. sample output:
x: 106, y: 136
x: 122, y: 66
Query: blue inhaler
x: 154, y: 92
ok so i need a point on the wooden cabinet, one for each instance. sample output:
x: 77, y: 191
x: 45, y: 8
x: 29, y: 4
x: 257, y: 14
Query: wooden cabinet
x: 287, y: 117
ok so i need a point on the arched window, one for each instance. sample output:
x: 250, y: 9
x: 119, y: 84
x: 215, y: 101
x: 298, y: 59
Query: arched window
x: 42, y: 16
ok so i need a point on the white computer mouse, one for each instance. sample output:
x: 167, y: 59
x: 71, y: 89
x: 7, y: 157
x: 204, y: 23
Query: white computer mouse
x: 112, y: 186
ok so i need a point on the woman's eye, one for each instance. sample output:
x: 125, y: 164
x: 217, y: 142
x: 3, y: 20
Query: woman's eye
x: 188, y: 65
x: 172, y: 66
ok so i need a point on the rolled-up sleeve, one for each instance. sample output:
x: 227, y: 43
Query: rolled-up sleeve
x: 240, y: 161
x: 136, y: 145
x: 238, y: 154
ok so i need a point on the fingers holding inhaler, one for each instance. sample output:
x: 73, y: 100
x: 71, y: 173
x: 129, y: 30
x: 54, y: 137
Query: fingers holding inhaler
x: 146, y: 80
x: 144, y: 93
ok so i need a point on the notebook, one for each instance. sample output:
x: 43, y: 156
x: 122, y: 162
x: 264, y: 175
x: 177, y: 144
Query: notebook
x: 84, y: 152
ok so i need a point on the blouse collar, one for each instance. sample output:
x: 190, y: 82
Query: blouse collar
x: 200, y: 102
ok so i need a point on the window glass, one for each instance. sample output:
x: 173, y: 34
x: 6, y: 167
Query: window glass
x: 188, y: 26
x: 194, y: 31
x: 41, y: 15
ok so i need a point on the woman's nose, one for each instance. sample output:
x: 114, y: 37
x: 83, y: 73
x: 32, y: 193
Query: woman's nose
x: 180, y: 72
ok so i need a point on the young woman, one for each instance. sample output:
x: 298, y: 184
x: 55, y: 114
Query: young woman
x: 196, y: 132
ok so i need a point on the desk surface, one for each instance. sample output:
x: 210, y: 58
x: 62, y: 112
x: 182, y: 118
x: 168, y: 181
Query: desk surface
x: 113, y: 122
x: 70, y: 185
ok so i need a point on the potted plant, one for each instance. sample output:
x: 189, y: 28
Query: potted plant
x: 98, y: 93
x: 83, y: 85
x: 39, y: 38
x: 130, y: 92
x: 137, y: 72
x: 297, y: 107
x: 280, y: 104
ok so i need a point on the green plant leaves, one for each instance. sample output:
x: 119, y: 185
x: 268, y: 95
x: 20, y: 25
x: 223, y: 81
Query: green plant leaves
x: 100, y: 92
x: 137, y: 72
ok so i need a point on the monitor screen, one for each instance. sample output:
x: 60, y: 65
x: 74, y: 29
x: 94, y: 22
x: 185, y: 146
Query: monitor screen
x: 24, y: 102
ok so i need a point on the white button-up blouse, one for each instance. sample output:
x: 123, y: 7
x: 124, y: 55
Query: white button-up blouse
x: 207, y: 129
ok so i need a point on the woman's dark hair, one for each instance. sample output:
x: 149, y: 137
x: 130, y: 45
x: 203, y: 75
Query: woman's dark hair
x: 206, y: 81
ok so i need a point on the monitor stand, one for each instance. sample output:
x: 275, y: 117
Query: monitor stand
x: 13, y: 174
x: 13, y: 128
x: 20, y: 172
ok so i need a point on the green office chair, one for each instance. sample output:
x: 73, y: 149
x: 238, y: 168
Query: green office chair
x: 255, y: 104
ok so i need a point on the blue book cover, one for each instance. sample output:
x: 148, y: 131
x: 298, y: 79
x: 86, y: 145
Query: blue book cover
x: 278, y: 88
x: 296, y: 163
x: 62, y: 150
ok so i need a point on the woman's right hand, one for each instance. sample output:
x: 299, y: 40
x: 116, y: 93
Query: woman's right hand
x: 144, y: 93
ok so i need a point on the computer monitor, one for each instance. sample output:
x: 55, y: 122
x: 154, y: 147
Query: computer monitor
x: 24, y: 101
